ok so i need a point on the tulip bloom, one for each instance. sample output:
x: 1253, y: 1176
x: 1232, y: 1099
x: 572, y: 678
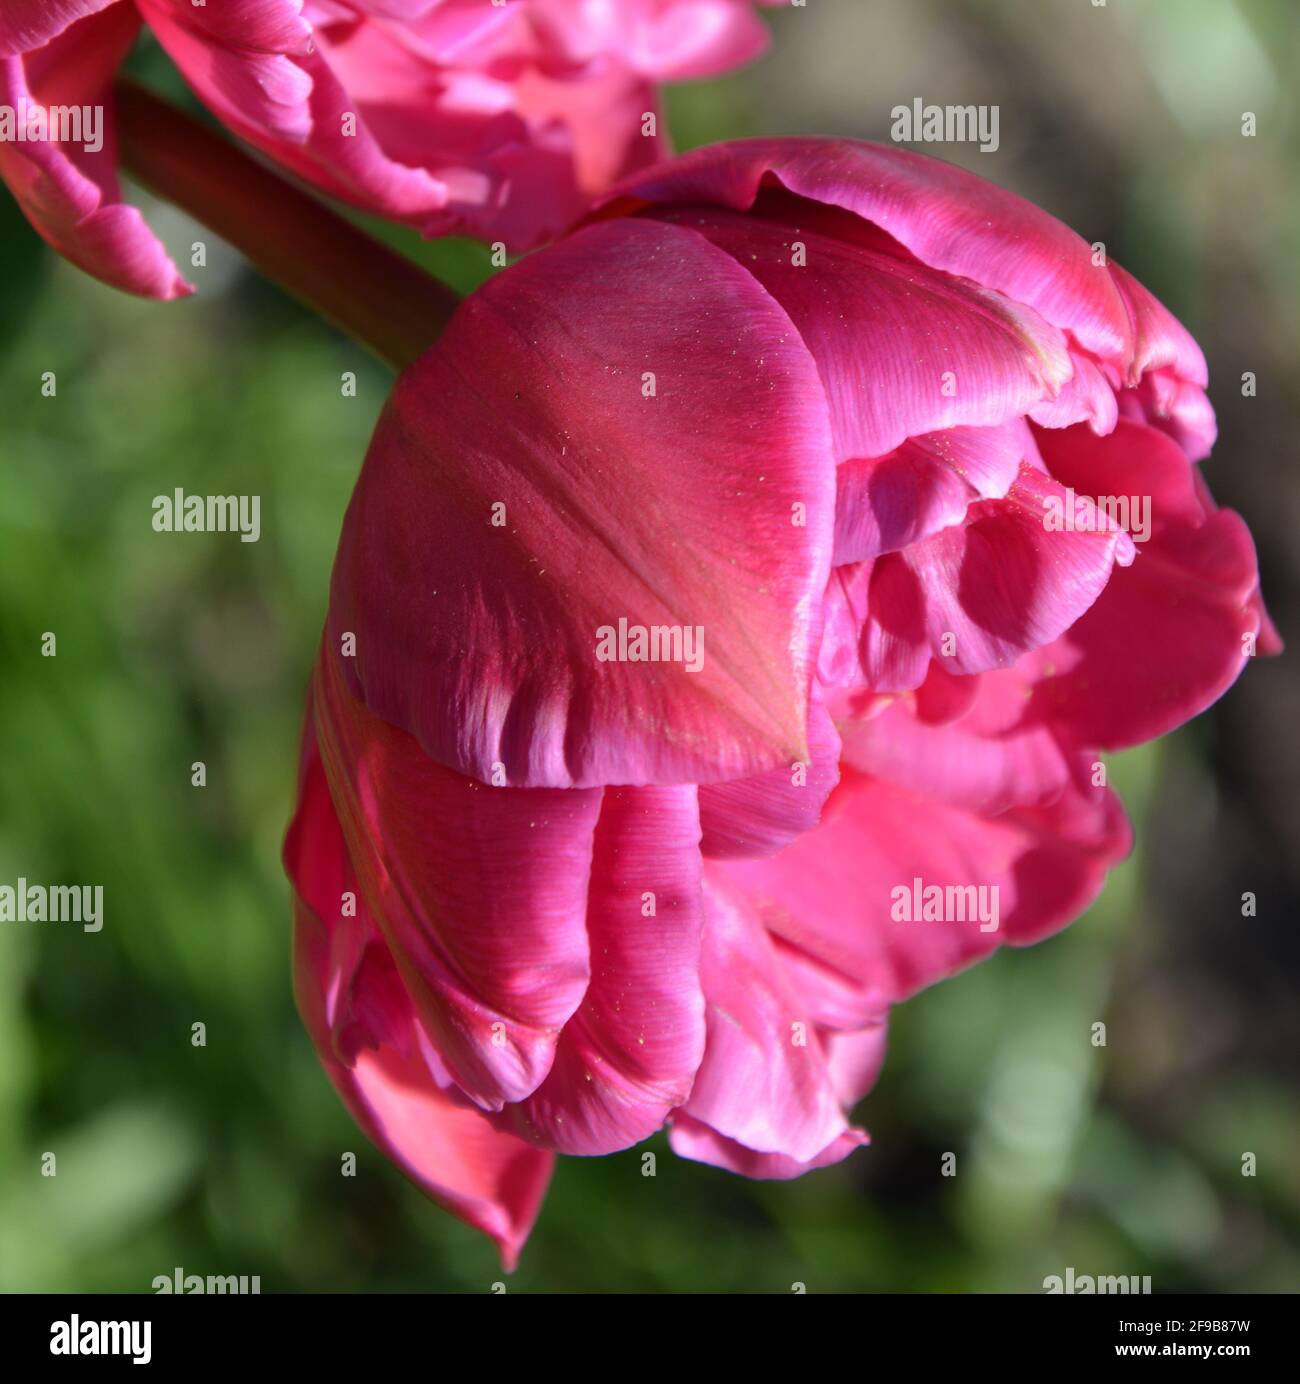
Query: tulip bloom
x: 724, y: 633
x: 497, y: 121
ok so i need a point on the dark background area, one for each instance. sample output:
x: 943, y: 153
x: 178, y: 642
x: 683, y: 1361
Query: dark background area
x: 1123, y: 120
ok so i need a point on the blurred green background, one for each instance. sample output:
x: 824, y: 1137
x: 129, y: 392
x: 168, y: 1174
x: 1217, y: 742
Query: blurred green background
x: 1125, y: 121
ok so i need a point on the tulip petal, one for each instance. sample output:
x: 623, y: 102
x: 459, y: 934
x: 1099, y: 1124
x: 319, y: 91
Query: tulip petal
x: 629, y: 1054
x: 854, y: 1060
x: 885, y: 503
x: 902, y: 350
x: 262, y: 26
x: 976, y: 596
x: 527, y: 496
x: 764, y: 1081
x: 366, y: 1035
x: 760, y: 815
x: 288, y: 102
x: 249, y: 88
x: 480, y: 892
x: 1160, y: 339
x: 486, y: 1178
x: 1088, y: 396
x: 1168, y: 371
x: 834, y: 894
x: 1175, y: 407
x: 835, y: 1002
x: 997, y: 754
x: 948, y: 218
x: 71, y: 195
x: 364, y: 1004
x: 693, y: 1139
x: 28, y: 24
x: 602, y: 116
x: 460, y: 33
x: 681, y: 41
x: 1170, y: 634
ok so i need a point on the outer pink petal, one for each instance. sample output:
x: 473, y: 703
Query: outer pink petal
x: 1180, y: 409
x: 760, y: 815
x: 974, y: 597
x: 630, y: 1053
x: 835, y: 1002
x: 1168, y: 370
x: 956, y: 222
x: 902, y: 350
x: 945, y: 216
x: 362, y: 1024
x: 831, y: 894
x: 289, y: 103
x: 666, y: 40
x: 996, y: 755
x: 252, y: 88
x: 70, y: 196
x: 481, y: 893
x: 677, y: 509
x: 764, y: 1081
x: 28, y: 24
x: 365, y: 1004
x: 486, y: 1178
x: 695, y: 1140
x: 1171, y: 633
x: 267, y: 26
x: 854, y: 1060
x: 1160, y: 339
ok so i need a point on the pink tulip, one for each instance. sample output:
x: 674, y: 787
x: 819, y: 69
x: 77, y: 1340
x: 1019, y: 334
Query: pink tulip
x: 814, y: 402
x: 497, y: 121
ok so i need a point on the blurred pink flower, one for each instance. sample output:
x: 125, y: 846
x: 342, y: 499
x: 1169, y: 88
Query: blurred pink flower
x: 812, y: 405
x: 499, y: 121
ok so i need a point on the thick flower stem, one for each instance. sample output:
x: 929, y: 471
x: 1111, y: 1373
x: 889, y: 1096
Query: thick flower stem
x: 375, y: 295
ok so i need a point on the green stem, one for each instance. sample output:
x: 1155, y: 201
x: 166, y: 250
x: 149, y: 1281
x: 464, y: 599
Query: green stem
x: 375, y: 295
